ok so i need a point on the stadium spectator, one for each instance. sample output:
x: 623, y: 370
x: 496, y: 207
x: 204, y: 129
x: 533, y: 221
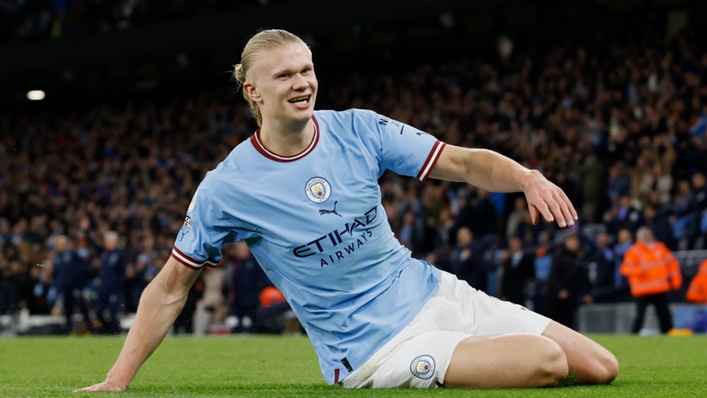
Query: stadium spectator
x: 659, y: 223
x: 697, y: 292
x: 70, y: 275
x: 618, y: 184
x: 592, y: 173
x: 270, y: 315
x: 247, y: 280
x: 542, y: 265
x: 623, y: 215
x: 111, y: 288
x: 211, y: 309
x: 280, y: 85
x: 518, y: 270
x: 624, y: 242
x: 479, y: 215
x: 652, y: 271
x: 516, y: 218
x: 184, y: 322
x: 603, y: 256
x: 467, y: 261
x: 685, y: 222
x: 568, y: 283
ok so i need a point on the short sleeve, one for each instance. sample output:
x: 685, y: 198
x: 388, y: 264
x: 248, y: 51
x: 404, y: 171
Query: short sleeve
x: 203, y: 234
x: 407, y: 150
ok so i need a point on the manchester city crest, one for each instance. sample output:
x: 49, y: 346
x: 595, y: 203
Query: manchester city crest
x: 423, y: 367
x: 318, y: 190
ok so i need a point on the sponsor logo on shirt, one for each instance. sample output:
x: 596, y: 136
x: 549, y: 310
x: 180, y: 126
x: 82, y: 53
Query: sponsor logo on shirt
x: 186, y: 227
x: 333, y: 211
x: 326, y: 244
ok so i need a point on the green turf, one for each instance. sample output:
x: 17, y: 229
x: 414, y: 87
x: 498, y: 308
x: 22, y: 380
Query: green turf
x: 255, y: 366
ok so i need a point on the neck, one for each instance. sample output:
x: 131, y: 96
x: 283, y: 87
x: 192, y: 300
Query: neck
x: 286, y: 139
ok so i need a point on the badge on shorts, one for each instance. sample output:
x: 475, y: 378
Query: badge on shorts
x: 423, y: 367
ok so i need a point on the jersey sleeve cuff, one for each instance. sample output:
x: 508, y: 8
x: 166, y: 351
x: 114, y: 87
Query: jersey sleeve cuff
x: 191, y: 262
x: 431, y: 161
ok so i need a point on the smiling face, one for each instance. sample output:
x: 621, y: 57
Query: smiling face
x: 283, y: 85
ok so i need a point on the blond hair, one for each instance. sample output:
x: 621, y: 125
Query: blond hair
x: 263, y: 40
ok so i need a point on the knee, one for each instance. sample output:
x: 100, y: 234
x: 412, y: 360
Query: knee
x: 604, y: 369
x: 554, y: 367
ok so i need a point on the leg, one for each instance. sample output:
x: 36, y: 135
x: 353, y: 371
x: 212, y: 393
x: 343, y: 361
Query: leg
x: 662, y: 309
x: 115, y: 300
x: 69, y: 309
x: 84, y: 311
x: 641, y: 303
x: 589, y: 362
x: 100, y: 307
x: 506, y: 361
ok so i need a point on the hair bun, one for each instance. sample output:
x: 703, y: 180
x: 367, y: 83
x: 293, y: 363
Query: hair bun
x: 239, y: 73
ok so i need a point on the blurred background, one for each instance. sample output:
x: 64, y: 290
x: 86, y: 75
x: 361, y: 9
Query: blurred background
x: 112, y: 111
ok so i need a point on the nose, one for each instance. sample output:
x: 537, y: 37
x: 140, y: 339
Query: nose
x: 299, y: 83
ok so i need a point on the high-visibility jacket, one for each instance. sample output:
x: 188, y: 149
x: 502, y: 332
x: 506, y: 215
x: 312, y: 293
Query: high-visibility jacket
x: 651, y: 270
x: 697, y: 293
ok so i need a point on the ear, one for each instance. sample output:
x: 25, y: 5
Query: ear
x: 252, y: 92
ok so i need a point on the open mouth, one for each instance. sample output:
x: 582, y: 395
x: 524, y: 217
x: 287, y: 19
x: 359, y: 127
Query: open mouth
x: 300, y: 100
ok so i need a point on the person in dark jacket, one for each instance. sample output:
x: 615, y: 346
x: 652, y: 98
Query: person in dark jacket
x: 70, y: 274
x: 467, y: 259
x: 247, y: 280
x: 111, y: 274
x: 623, y: 215
x: 659, y: 223
x: 518, y: 269
x: 568, y: 284
x: 603, y: 257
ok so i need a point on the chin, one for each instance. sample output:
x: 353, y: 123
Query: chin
x: 304, y: 116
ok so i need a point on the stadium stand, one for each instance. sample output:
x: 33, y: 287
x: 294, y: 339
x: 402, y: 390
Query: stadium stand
x: 620, y: 127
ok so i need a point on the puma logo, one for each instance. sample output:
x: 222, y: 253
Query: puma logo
x: 325, y: 211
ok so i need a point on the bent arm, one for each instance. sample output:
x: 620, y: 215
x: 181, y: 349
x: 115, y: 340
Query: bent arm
x: 631, y: 265
x: 160, y: 304
x: 492, y: 171
x: 481, y: 168
x: 674, y: 273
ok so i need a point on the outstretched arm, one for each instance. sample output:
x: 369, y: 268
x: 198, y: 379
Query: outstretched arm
x: 160, y: 304
x: 494, y: 172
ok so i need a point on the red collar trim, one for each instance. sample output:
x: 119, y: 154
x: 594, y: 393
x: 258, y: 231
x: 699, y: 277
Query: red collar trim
x: 279, y: 158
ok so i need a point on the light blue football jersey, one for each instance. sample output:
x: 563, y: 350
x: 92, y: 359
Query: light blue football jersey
x: 315, y: 223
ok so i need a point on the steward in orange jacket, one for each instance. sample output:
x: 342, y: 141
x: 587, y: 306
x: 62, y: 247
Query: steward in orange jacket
x: 652, y: 271
x: 697, y: 293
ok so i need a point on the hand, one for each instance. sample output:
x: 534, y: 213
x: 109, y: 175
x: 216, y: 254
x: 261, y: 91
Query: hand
x: 104, y: 386
x: 547, y: 199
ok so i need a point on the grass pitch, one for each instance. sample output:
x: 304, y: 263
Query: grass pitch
x: 285, y: 366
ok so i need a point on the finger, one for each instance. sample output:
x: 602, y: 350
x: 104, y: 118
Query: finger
x: 566, y: 214
x: 96, y: 387
x: 573, y: 211
x: 543, y: 209
x: 534, y: 214
x: 88, y: 389
x: 556, y: 211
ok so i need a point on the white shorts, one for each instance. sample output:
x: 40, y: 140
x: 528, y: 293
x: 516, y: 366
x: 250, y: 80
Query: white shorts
x: 418, y: 356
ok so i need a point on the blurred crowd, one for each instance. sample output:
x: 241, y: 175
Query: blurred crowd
x: 620, y: 128
x: 25, y: 21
